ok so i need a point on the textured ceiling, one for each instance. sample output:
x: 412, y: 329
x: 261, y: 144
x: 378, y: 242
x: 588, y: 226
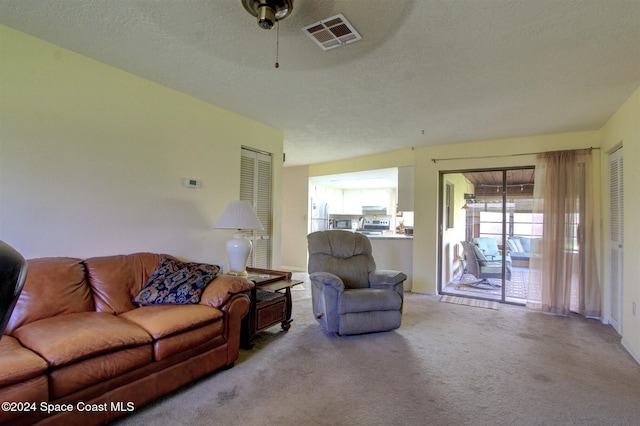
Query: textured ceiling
x: 426, y: 72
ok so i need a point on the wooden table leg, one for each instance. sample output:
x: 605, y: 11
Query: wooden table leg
x: 286, y: 324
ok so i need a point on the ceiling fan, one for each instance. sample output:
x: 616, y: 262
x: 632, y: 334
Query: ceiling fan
x: 328, y: 33
x: 268, y: 12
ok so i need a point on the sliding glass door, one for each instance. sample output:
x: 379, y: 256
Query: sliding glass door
x: 487, y: 226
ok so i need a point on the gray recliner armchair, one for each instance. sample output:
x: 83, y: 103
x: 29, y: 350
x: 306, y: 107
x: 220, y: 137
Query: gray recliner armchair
x: 349, y: 295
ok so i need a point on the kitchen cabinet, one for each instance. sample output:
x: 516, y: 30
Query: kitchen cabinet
x: 354, y: 199
x: 405, y: 188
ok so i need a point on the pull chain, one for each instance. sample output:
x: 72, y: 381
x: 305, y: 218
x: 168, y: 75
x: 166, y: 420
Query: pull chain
x: 277, y: 42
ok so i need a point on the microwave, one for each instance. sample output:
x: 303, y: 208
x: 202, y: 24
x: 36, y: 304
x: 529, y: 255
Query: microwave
x: 342, y: 223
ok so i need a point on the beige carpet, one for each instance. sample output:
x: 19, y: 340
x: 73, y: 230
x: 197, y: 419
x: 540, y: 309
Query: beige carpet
x: 447, y: 365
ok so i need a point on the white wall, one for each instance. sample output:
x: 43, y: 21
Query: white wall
x: 92, y: 159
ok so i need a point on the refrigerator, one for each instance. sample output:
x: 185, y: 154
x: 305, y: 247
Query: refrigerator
x: 319, y: 216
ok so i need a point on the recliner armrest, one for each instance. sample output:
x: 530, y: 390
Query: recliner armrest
x: 385, y: 278
x: 323, y: 279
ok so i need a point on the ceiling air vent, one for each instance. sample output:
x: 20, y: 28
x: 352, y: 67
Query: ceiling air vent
x: 332, y: 32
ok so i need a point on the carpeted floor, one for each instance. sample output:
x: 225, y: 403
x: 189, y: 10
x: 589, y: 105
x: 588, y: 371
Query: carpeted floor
x: 447, y: 365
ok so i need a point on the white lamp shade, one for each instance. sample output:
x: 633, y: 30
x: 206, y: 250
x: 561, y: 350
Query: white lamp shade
x: 239, y: 215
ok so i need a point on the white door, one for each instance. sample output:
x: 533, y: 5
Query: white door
x: 255, y: 187
x: 616, y: 203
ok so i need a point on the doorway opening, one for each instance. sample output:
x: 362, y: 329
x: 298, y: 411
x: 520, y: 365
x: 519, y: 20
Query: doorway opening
x: 487, y: 226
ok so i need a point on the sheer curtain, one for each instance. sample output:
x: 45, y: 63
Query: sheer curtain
x: 563, y: 269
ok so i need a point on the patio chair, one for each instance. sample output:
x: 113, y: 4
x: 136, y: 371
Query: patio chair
x: 489, y: 248
x: 479, y: 266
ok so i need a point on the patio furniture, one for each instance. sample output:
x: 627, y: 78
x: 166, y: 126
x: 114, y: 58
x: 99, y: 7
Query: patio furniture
x: 520, y: 249
x: 482, y: 268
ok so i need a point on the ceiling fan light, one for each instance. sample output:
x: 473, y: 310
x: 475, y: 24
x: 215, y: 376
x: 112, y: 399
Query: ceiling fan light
x: 268, y: 12
x: 266, y: 17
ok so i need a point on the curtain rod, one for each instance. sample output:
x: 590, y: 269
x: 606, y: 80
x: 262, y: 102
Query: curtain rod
x: 499, y: 156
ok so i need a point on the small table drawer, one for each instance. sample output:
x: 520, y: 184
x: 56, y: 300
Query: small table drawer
x: 270, y: 309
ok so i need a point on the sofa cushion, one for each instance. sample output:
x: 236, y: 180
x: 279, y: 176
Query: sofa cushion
x: 526, y: 244
x: 176, y: 282
x: 165, y: 320
x: 87, y: 372
x: 115, y: 280
x: 515, y: 245
x: 54, y: 278
x: 65, y: 339
x: 210, y: 335
x: 220, y: 290
x: 18, y: 363
x: 176, y: 328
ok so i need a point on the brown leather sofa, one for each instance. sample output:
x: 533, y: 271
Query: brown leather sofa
x: 78, y: 351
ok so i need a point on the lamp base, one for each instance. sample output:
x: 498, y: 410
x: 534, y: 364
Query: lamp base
x: 238, y: 274
x: 238, y: 249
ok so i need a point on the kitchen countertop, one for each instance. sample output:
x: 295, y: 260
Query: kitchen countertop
x: 389, y: 237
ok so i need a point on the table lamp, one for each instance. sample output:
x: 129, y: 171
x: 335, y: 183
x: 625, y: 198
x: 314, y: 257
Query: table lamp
x: 238, y: 215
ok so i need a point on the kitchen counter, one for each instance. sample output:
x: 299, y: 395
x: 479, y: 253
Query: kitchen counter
x: 377, y: 235
x: 390, y: 237
x: 394, y: 251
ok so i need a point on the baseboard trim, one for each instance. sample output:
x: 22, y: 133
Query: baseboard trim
x: 627, y: 346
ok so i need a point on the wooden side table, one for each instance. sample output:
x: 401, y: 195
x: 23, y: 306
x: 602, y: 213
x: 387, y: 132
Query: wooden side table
x: 270, y: 302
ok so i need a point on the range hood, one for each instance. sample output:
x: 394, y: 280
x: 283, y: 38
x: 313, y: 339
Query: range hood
x: 374, y: 210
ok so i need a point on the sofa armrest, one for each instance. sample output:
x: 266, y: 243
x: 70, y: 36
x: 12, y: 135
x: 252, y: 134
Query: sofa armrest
x: 219, y: 291
x: 234, y: 310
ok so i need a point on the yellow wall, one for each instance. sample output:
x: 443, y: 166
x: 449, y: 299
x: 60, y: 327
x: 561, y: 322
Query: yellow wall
x: 295, y: 217
x: 92, y: 159
x: 384, y: 160
x: 623, y: 129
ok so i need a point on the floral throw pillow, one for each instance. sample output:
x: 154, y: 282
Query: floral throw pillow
x: 176, y: 282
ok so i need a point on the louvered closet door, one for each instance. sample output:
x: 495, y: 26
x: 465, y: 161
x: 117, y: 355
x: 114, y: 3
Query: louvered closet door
x: 255, y: 187
x: 616, y: 204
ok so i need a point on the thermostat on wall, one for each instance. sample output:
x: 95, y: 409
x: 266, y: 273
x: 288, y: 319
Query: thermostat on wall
x: 192, y: 183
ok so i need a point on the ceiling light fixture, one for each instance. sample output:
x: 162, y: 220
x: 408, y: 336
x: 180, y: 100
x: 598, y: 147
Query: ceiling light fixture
x: 268, y: 12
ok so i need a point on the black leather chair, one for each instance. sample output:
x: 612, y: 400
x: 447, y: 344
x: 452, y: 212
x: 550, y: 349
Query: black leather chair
x: 13, y: 272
